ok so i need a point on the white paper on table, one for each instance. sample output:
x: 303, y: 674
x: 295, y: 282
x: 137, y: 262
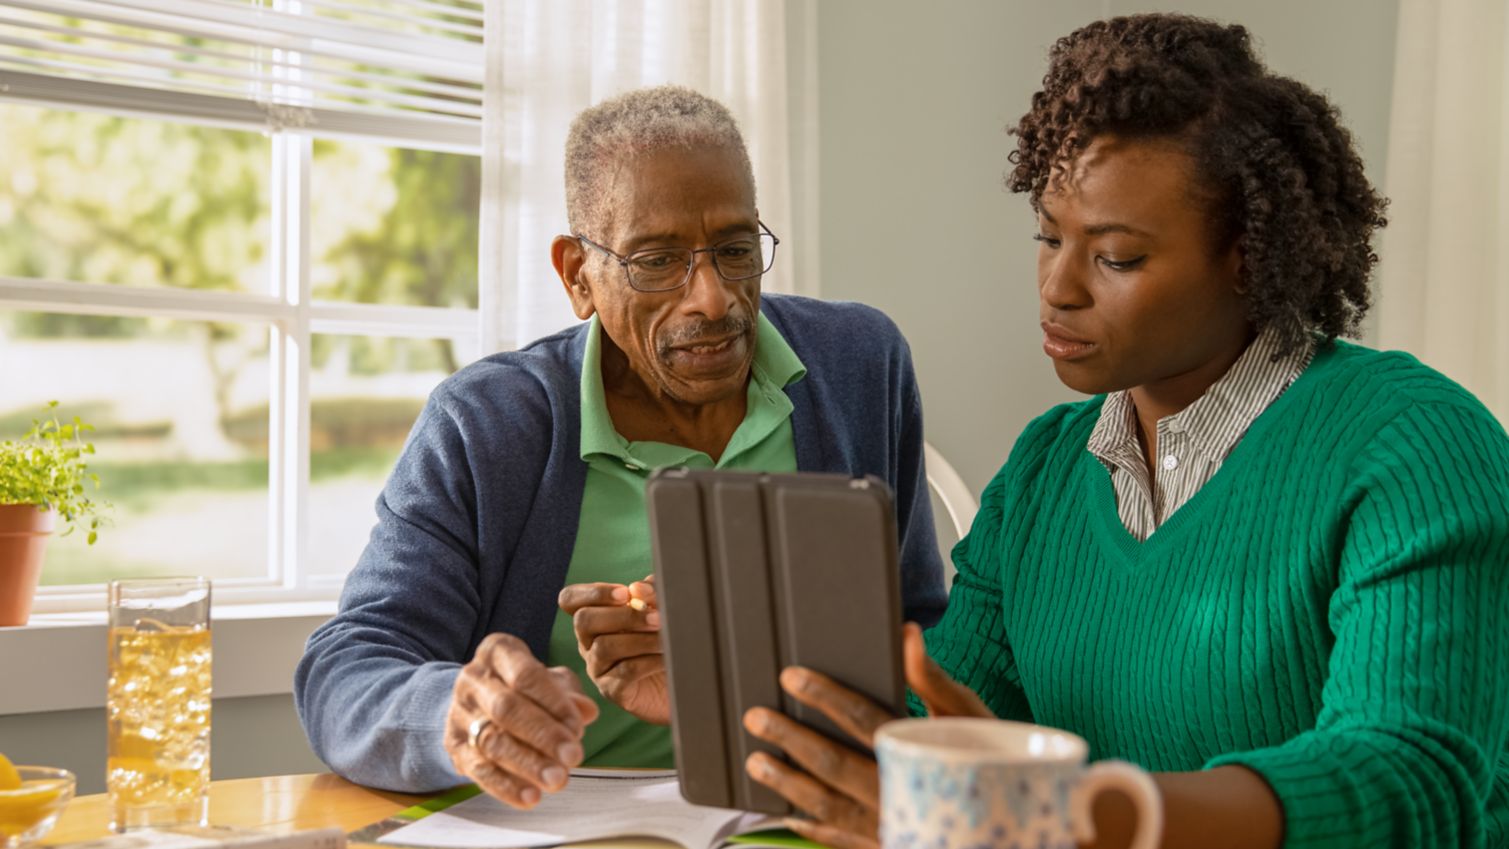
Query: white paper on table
x: 589, y: 808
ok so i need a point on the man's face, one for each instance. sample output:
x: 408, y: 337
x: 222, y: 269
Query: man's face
x: 1133, y: 290
x: 694, y: 344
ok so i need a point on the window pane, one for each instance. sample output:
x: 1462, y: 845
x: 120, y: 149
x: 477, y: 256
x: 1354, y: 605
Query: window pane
x: 170, y: 402
x: 378, y: 14
x: 365, y: 393
x: 104, y: 199
x: 394, y: 226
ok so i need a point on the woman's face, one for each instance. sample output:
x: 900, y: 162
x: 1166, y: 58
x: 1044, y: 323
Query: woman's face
x: 1135, y: 291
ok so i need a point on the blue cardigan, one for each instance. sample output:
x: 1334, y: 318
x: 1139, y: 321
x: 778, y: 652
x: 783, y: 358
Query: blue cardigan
x: 478, y: 521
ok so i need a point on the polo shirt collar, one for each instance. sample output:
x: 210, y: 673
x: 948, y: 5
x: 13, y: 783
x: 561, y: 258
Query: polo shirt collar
x: 775, y: 366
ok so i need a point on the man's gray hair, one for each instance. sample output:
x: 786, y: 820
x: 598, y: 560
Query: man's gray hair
x: 633, y: 124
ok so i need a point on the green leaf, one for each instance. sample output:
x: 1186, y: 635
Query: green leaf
x: 46, y: 467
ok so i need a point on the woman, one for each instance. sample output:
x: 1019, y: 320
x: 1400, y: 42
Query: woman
x: 1269, y: 566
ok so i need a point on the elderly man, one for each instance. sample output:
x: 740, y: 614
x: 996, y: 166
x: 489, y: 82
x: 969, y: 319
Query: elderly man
x: 487, y: 633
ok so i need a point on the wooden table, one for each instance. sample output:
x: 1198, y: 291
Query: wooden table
x: 281, y: 803
x: 285, y: 803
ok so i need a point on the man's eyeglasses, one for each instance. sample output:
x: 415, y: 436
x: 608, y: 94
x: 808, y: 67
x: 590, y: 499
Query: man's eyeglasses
x: 664, y: 269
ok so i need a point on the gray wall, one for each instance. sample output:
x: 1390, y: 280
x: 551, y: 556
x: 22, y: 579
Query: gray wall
x: 257, y: 735
x: 914, y: 100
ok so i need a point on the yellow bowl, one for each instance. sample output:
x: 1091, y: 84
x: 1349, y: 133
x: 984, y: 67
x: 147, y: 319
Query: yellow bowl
x: 29, y: 811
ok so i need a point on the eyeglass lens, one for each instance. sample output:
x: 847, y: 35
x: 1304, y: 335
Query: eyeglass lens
x: 739, y: 259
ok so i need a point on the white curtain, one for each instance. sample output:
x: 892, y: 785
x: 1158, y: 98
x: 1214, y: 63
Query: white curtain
x: 1444, y: 290
x: 549, y: 59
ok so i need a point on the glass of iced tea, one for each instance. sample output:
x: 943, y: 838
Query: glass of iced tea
x: 158, y: 703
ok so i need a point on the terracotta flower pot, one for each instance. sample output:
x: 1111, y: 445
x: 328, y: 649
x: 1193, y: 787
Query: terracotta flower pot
x: 24, y: 530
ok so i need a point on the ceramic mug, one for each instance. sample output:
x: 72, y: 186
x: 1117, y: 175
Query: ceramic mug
x: 962, y: 783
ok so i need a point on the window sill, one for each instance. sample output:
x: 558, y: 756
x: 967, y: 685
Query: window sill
x: 256, y: 647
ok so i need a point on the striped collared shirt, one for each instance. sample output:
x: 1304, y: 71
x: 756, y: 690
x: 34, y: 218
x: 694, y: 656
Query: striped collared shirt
x: 1193, y: 442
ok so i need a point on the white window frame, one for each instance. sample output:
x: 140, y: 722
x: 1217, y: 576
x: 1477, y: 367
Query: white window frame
x: 294, y: 318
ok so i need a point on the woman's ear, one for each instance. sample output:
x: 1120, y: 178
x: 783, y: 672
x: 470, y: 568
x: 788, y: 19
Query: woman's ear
x: 570, y: 262
x: 1236, y: 266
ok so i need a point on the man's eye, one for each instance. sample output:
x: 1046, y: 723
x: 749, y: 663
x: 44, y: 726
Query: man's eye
x: 656, y: 262
x: 736, y: 250
x: 1047, y: 240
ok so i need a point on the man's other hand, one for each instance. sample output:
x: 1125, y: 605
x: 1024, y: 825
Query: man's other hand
x: 618, y: 635
x: 515, y: 726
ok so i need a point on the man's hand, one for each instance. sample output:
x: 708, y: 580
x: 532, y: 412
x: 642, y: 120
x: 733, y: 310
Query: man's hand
x: 838, y: 786
x: 534, y: 716
x: 618, y: 635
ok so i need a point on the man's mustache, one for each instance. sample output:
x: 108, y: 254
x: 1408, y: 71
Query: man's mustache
x: 723, y: 328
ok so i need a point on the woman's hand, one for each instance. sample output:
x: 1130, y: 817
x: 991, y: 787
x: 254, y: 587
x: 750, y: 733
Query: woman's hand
x: 940, y: 694
x: 838, y: 786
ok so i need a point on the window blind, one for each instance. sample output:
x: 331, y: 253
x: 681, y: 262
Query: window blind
x: 408, y: 72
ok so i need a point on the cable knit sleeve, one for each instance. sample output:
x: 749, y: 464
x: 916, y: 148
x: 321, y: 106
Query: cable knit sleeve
x: 970, y: 642
x: 1416, y: 701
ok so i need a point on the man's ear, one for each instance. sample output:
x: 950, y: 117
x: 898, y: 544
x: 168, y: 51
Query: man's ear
x: 569, y: 259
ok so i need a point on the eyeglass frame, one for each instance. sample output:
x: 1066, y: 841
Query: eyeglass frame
x: 691, y: 266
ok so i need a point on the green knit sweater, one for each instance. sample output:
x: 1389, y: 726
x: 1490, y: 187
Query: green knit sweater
x: 1330, y: 610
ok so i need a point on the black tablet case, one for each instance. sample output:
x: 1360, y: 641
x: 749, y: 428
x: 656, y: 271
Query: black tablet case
x: 758, y: 572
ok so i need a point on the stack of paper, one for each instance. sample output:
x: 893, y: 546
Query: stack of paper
x: 592, y: 807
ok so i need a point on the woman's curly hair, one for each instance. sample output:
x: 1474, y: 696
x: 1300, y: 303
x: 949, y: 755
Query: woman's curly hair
x: 1281, y: 172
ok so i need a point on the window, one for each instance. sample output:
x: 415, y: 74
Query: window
x: 240, y: 238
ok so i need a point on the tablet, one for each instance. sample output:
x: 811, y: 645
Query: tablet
x: 757, y: 572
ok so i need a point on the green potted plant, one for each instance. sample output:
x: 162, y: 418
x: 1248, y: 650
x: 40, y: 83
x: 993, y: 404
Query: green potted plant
x: 43, y: 479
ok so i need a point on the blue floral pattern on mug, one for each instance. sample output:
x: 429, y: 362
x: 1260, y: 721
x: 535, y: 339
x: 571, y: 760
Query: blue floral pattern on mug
x: 951, y: 805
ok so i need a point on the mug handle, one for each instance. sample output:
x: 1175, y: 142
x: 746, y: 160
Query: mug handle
x: 1136, y: 784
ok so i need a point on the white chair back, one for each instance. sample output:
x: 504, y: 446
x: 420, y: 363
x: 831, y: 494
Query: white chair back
x: 951, y: 490
x: 958, y: 502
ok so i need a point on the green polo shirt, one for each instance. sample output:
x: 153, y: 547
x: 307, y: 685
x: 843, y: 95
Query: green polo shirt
x: 613, y: 531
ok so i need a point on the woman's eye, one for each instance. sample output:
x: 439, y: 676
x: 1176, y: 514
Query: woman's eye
x: 1122, y: 265
x: 1046, y: 240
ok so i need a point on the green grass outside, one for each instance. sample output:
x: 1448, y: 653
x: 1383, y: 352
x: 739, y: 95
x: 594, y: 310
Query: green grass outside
x: 136, y: 488
x: 70, y: 562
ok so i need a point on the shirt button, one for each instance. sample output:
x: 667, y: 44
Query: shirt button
x: 1170, y: 463
x: 633, y: 468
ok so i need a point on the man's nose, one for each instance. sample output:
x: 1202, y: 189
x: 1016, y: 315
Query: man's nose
x: 707, y: 294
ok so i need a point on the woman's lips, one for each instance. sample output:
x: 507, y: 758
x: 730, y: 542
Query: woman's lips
x: 1060, y: 344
